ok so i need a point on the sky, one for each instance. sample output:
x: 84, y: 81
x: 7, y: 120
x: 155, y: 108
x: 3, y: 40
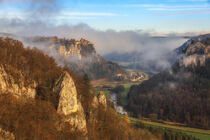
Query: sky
x: 162, y: 16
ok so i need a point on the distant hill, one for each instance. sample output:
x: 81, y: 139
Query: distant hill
x: 180, y: 93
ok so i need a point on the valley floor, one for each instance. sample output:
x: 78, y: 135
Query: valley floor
x: 198, y: 133
x: 105, y: 86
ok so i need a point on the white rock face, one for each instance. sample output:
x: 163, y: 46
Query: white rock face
x: 73, y: 51
x: 68, y: 104
x: 78, y: 49
x: 194, y: 60
x: 195, y: 54
x: 8, y: 85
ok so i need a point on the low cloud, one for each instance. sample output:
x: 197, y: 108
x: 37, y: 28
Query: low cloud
x: 105, y: 41
x: 152, y: 49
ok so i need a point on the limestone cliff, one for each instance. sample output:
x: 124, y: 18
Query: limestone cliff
x: 102, y: 99
x: 9, y: 85
x: 195, y: 54
x: 68, y: 103
x: 80, y: 49
x: 79, y: 55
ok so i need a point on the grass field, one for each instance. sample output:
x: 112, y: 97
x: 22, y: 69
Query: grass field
x: 198, y: 133
x: 126, y: 64
x: 124, y: 99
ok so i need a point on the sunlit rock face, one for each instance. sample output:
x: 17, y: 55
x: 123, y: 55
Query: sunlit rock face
x: 68, y: 103
x: 9, y: 85
x: 195, y: 55
x: 102, y: 99
x: 80, y: 49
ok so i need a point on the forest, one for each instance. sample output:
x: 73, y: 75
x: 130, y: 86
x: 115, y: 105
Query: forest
x: 179, y: 94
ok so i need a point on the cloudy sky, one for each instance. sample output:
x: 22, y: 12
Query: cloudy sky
x: 148, y: 15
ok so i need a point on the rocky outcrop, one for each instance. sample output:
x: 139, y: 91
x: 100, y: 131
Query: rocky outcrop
x: 102, y: 99
x: 79, y: 49
x: 95, y: 103
x: 9, y: 85
x: 98, y: 102
x: 79, y: 55
x: 5, y: 135
x: 195, y: 54
x: 69, y: 105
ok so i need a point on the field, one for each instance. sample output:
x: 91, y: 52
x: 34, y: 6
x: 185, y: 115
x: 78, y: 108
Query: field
x: 124, y: 99
x: 198, y: 133
x: 127, y: 64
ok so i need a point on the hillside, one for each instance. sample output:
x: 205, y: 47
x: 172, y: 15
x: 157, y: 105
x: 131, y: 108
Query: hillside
x: 41, y: 100
x: 79, y: 55
x: 180, y: 93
